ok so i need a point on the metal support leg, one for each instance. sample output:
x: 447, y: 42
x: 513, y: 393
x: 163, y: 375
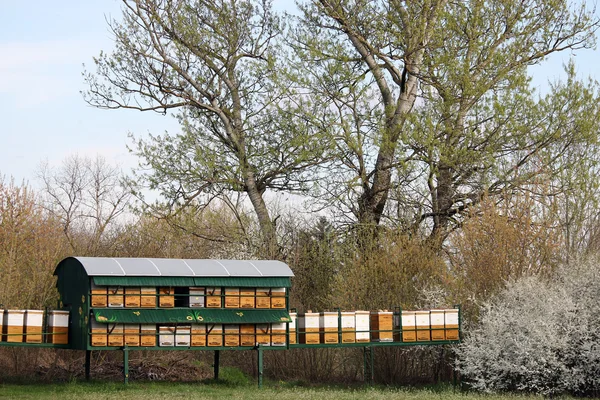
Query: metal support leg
x: 216, y: 364
x: 125, y: 365
x: 369, y: 358
x: 260, y: 367
x: 88, y: 362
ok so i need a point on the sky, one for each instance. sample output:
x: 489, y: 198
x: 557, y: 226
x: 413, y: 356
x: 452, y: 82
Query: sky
x: 43, y: 117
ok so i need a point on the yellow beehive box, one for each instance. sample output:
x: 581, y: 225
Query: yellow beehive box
x: 115, y: 297
x: 362, y: 320
x: 263, y: 298
x: 99, y: 334
x: 213, y: 297
x: 198, y: 335
x: 348, y: 327
x: 99, y: 296
x: 166, y: 297
x: 263, y: 334
x: 148, y: 335
x: 166, y: 336
x: 308, y: 327
x: 423, y: 326
x: 132, y: 297
x: 215, y: 335
x: 328, y: 327
x: 148, y: 297
x: 197, y: 297
x: 409, y: 325
x: 278, y: 334
x: 293, y: 339
x: 247, y: 335
x: 451, y: 324
x: 33, y: 326
x: 183, y: 336
x: 382, y: 326
x: 247, y: 296
x: 232, y: 335
x: 14, y: 325
x: 278, y: 298
x: 132, y: 334
x: 232, y: 297
x: 116, y: 335
x: 437, y: 325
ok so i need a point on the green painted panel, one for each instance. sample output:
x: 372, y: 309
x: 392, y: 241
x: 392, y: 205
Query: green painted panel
x: 191, y: 281
x: 189, y: 315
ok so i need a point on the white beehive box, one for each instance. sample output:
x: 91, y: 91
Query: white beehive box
x: 362, y: 326
x: 183, y: 336
x: 197, y: 297
x: 166, y: 336
x: 14, y: 322
x: 328, y: 327
x: 33, y: 326
x: 278, y: 334
x: 451, y: 322
x: 148, y: 335
x: 293, y: 336
x: 437, y: 324
x: 423, y: 326
x: 409, y: 334
x: 308, y: 325
x: 348, y: 327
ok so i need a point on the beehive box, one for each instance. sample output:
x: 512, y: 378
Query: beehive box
x: 263, y: 334
x: 132, y: 334
x: 423, y: 326
x: 232, y: 335
x: 247, y: 297
x: 232, y: 297
x: 197, y: 297
x: 215, y: 335
x: 33, y: 326
x: 328, y: 327
x: 382, y: 326
x: 166, y: 297
x: 166, y: 336
x: 362, y: 326
x: 99, y: 334
x: 148, y: 297
x: 437, y: 325
x: 99, y: 296
x: 263, y: 298
x: 116, y: 335
x: 247, y: 335
x: 348, y: 327
x: 278, y: 334
x: 132, y: 297
x: 213, y: 297
x: 115, y: 297
x: 451, y: 323
x: 278, y: 298
x: 293, y: 339
x: 14, y: 325
x: 308, y: 325
x: 198, y: 335
x: 148, y: 335
x: 409, y: 333
x: 183, y: 335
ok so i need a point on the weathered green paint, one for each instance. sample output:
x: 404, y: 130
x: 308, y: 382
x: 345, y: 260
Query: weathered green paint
x: 192, y: 281
x: 189, y: 315
x: 125, y: 365
x: 260, y: 366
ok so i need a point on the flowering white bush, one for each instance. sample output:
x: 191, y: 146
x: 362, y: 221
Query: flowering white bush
x: 539, y: 336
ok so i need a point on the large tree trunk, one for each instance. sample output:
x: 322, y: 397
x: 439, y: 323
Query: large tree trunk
x: 267, y: 228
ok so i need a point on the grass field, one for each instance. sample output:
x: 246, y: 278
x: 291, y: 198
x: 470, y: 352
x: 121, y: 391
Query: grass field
x: 180, y: 391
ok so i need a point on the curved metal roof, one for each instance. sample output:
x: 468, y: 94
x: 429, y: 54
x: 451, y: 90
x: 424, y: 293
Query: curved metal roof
x: 104, y: 266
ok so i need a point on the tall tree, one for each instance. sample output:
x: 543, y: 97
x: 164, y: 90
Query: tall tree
x: 449, y: 92
x: 217, y: 65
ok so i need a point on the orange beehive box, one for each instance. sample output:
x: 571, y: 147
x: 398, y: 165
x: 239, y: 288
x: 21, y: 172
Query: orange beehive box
x: 132, y: 297
x: 263, y: 334
x: 215, y: 335
x: 99, y: 296
x: 278, y: 334
x: 328, y: 327
x: 148, y: 297
x: 278, y: 298
x: 232, y: 335
x: 247, y: 296
x: 148, y: 335
x: 99, y: 334
x: 116, y: 335
x: 232, y: 297
x: 33, y: 326
x: 166, y: 298
x: 132, y: 334
x: 199, y: 335
x: 213, y: 297
x: 382, y: 326
x: 247, y: 335
x: 14, y: 325
x: 263, y: 298
x: 115, y: 297
x: 308, y: 325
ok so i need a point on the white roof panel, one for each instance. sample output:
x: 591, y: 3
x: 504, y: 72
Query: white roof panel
x: 104, y: 266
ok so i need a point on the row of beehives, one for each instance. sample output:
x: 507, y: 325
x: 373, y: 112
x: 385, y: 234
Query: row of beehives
x: 308, y: 328
x: 195, y: 297
x: 378, y: 326
x: 27, y: 326
x: 194, y: 335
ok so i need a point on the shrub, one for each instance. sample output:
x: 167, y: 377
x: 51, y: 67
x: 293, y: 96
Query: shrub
x: 539, y: 336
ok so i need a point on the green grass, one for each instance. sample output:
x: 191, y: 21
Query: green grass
x: 224, y: 389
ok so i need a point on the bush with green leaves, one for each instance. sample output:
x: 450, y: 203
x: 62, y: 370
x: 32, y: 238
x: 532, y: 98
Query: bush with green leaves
x: 539, y: 336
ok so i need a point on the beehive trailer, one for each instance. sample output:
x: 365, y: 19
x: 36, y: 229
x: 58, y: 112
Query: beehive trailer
x: 172, y: 304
